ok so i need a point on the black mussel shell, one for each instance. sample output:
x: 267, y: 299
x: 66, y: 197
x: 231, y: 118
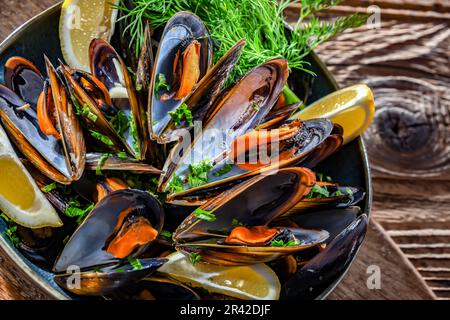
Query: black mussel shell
x: 86, y: 247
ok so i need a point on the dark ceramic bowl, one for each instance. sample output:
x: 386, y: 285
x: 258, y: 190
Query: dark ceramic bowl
x: 40, y: 36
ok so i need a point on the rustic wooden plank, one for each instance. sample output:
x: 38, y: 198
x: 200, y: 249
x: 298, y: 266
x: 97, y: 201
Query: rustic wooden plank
x: 399, y: 279
x: 14, y: 13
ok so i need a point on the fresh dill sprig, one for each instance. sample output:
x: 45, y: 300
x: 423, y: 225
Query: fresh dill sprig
x: 261, y: 22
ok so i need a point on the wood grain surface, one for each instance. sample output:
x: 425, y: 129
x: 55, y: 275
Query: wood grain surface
x: 406, y: 61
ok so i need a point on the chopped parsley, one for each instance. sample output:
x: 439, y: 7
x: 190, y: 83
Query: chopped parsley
x: 101, y: 162
x: 175, y: 185
x: 338, y: 193
x: 78, y: 109
x: 77, y: 210
x: 120, y: 122
x: 166, y: 234
x: 281, y: 243
x: 182, y: 112
x: 195, y: 258
x: 349, y: 191
x: 10, y: 232
x: 199, y: 173
x: 49, y: 188
x: 88, y: 113
x: 318, y: 192
x: 256, y: 107
x: 224, y: 170
x: 236, y: 223
x: 102, y: 138
x: 204, y: 215
x: 135, y: 263
x: 98, y: 270
x: 122, y: 155
x: 161, y: 84
x: 134, y: 134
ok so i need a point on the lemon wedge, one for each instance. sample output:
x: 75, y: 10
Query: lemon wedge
x: 353, y: 108
x: 256, y: 282
x: 20, y: 198
x: 80, y: 22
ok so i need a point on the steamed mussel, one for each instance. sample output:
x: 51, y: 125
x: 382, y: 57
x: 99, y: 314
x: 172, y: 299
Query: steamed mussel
x: 122, y: 225
x: 237, y: 186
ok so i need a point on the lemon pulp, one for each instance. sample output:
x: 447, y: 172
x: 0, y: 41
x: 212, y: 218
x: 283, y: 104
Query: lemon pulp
x: 14, y: 184
x: 242, y: 279
x: 353, y: 108
x: 20, y: 198
x: 82, y: 21
x: 244, y: 282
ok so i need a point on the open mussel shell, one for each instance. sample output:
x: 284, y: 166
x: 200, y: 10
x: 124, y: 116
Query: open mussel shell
x: 348, y: 196
x: 109, y: 224
x: 62, y: 160
x: 332, y: 220
x: 24, y: 78
x: 108, y: 67
x: 207, y: 90
x: 241, y: 109
x: 180, y: 31
x: 104, y: 280
x: 93, y: 111
x: 214, y: 251
x: 72, y: 137
x: 312, y: 134
x: 256, y: 202
x: 114, y: 163
x: 330, y: 146
x: 326, y: 267
x: 157, y: 288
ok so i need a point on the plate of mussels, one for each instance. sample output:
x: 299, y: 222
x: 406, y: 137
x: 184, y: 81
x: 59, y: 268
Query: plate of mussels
x: 183, y: 151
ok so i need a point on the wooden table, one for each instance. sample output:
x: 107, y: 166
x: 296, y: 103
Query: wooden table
x: 403, y: 60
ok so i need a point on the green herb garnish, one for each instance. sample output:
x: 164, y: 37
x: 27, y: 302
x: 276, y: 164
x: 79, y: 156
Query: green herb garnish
x: 78, y: 109
x: 182, y: 112
x: 224, y: 170
x: 236, y: 223
x: 134, y: 134
x: 120, y: 122
x: 166, y: 234
x: 318, y: 192
x: 77, y: 210
x: 101, y: 162
x: 10, y: 232
x: 49, y: 188
x: 98, y: 270
x: 175, y: 185
x: 88, y: 114
x: 122, y: 155
x: 281, y: 243
x: 161, y: 84
x: 102, y: 138
x: 195, y: 258
x: 338, y: 193
x: 260, y: 22
x: 204, y: 215
x: 349, y: 191
x: 199, y: 173
x: 135, y: 263
x: 256, y: 107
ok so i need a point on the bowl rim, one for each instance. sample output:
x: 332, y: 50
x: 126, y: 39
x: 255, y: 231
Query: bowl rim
x: 52, y: 293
